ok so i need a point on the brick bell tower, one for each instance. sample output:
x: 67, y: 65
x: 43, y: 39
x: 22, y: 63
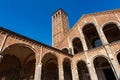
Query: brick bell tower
x: 60, y: 26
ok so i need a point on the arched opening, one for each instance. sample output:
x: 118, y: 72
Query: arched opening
x: 83, y: 71
x: 49, y: 67
x: 118, y: 57
x: 111, y: 32
x: 77, y: 45
x: 18, y: 63
x: 91, y: 35
x: 103, y: 69
x: 65, y: 50
x: 67, y: 70
x: 10, y: 67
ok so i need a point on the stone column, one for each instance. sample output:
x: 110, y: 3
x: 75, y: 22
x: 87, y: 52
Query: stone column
x: 38, y: 68
x: 3, y: 42
x: 1, y: 47
x: 117, y: 18
x: 103, y: 37
x: 61, y: 72
x: 84, y: 44
x: 91, y: 69
x: 100, y: 32
x: 38, y: 71
x: 92, y: 72
x: 60, y: 68
x: 113, y: 63
x: 74, y: 71
x: 71, y: 51
x: 3, y: 78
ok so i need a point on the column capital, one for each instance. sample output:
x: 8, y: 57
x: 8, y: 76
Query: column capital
x: 61, y: 72
x: 75, y: 75
x: 39, y: 65
x: 82, y: 39
x: 7, y: 34
x: 38, y: 71
x: 1, y: 56
x: 89, y: 65
x: 92, y: 72
x: 60, y: 66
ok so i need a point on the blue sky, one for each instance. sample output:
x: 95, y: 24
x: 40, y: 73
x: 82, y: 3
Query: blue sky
x: 32, y: 18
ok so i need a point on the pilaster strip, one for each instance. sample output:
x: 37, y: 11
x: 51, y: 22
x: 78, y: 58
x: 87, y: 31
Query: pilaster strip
x: 60, y: 68
x: 111, y: 61
x: 82, y: 39
x: 117, y: 16
x: 74, y: 71
x: 100, y: 33
x: 92, y: 73
x: 3, y: 43
x: 70, y: 46
x: 38, y: 69
x: 41, y: 52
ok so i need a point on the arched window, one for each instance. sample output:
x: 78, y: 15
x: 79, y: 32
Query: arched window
x: 56, y: 15
x: 65, y: 50
x: 111, y: 32
x: 91, y: 34
x: 77, y: 45
x: 53, y: 17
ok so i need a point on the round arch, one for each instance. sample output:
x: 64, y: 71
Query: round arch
x: 88, y: 24
x: 21, y: 44
x: 26, y: 57
x: 65, y: 50
x: 49, y: 67
x: 103, y: 68
x: 101, y: 55
x: 10, y: 67
x: 67, y: 59
x: 113, y: 29
x: 77, y: 45
x: 109, y: 22
x: 67, y: 69
x: 49, y: 53
x: 90, y: 32
x: 75, y: 37
x: 83, y: 70
x: 79, y: 61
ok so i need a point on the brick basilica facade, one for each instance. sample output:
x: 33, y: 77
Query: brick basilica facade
x: 89, y: 51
